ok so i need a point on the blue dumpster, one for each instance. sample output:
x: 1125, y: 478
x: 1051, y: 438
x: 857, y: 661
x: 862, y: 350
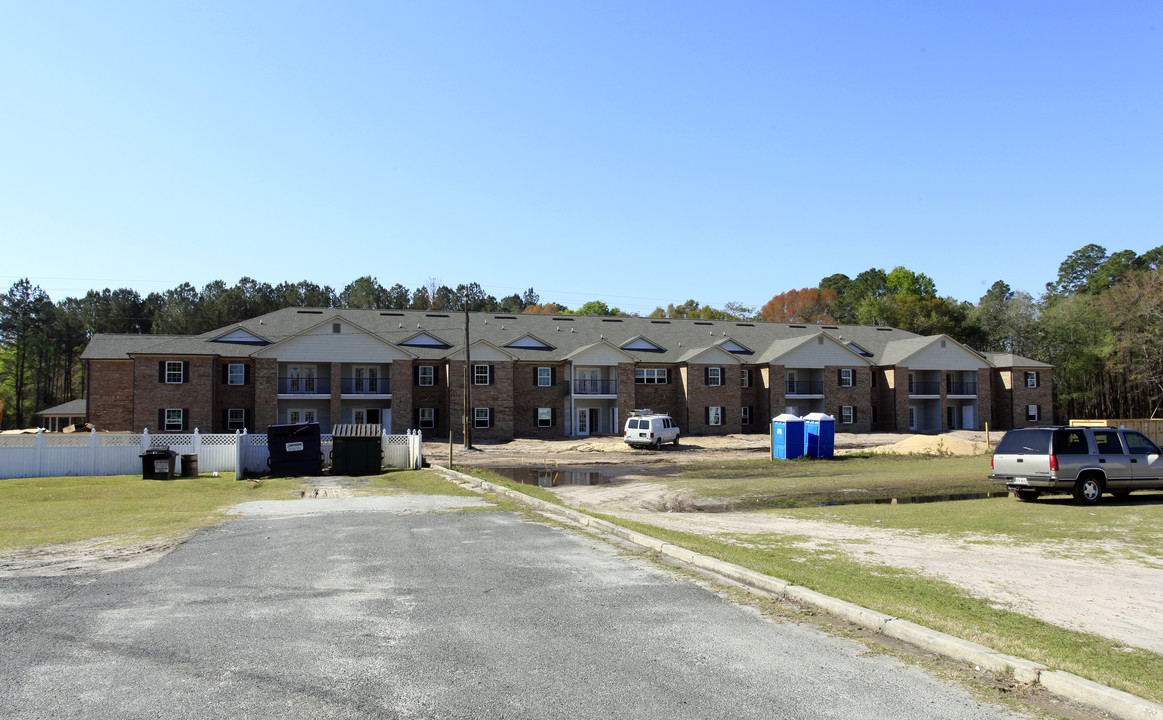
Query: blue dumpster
x: 787, y: 437
x: 820, y: 435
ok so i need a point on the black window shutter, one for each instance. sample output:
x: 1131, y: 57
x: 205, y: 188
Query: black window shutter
x: 435, y: 417
x: 246, y: 418
x: 416, y: 375
x: 536, y: 417
x: 536, y: 375
x: 185, y: 372
x: 185, y: 418
x: 161, y: 371
x: 1036, y: 378
x: 225, y: 373
x: 553, y: 376
x: 706, y: 376
x: 161, y: 419
x: 706, y: 416
x: 416, y: 417
x: 490, y: 382
x: 246, y: 376
x: 490, y: 420
x: 552, y: 417
x: 225, y: 419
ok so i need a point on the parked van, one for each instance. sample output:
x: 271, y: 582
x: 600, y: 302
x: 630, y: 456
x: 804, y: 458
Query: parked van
x: 646, y: 428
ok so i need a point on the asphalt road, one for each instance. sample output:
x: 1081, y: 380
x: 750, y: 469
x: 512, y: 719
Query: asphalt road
x: 373, y: 608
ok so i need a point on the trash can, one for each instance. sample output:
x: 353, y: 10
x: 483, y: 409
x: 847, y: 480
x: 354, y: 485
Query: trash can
x: 787, y: 437
x: 295, y: 449
x: 356, y: 449
x: 190, y: 465
x: 157, y: 463
x: 820, y: 435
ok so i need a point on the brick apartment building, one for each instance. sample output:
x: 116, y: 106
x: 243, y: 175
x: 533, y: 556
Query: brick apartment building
x: 551, y: 376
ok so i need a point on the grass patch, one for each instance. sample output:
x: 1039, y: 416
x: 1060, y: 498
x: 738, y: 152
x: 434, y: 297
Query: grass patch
x: 807, y: 482
x: 935, y: 604
x: 38, y: 511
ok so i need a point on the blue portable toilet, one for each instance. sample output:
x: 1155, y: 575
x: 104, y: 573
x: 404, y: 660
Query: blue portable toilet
x: 787, y: 437
x: 819, y: 435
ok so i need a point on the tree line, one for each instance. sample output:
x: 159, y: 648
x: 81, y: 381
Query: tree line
x: 1100, y: 323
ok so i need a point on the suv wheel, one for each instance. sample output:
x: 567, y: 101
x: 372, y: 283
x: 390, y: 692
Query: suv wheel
x: 1088, y: 490
x: 1027, y: 495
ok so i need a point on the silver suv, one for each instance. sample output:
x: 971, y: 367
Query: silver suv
x: 649, y: 429
x: 1085, y: 462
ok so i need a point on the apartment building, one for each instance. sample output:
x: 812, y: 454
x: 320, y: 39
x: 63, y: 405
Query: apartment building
x: 551, y: 376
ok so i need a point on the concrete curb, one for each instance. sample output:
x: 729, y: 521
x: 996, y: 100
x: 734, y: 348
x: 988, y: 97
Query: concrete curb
x: 1063, y: 684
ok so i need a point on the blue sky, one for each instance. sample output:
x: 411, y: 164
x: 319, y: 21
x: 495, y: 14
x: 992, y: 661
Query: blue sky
x: 641, y: 153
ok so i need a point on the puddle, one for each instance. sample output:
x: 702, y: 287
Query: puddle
x: 552, y: 478
x: 916, y: 499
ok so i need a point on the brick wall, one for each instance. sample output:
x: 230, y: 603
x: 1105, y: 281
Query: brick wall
x: 984, y: 397
x: 528, y: 397
x: 266, y: 394
x: 667, y: 398
x: 755, y: 398
x: 227, y: 396
x: 110, y: 395
x: 1042, y: 396
x: 858, y: 396
x: 195, y: 394
x: 700, y: 396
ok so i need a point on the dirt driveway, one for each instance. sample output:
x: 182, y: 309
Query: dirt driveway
x: 1118, y: 594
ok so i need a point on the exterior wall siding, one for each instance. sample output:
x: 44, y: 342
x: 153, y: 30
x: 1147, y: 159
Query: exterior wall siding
x: 857, y: 396
x: 700, y: 396
x: 528, y: 397
x: 195, y: 395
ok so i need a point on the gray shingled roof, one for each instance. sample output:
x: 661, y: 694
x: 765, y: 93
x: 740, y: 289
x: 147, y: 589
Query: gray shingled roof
x: 1011, y: 360
x: 565, y: 335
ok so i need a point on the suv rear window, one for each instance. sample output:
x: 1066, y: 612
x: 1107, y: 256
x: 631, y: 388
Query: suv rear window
x: 1025, y: 442
x: 1070, y: 442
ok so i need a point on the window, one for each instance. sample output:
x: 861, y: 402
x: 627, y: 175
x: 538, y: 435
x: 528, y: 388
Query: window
x: 426, y: 376
x: 427, y: 417
x: 1069, y: 442
x: 1108, y: 442
x: 714, y: 416
x: 235, y: 374
x: 1140, y: 444
x: 544, y: 377
x: 544, y: 417
x: 174, y: 373
x: 235, y: 419
x: 847, y: 414
x: 482, y: 417
x: 482, y: 374
x: 714, y: 376
x: 1031, y: 379
x: 300, y: 416
x: 745, y: 377
x: 1032, y: 413
x: 846, y: 377
x: 650, y: 376
x: 174, y: 419
x: 746, y: 415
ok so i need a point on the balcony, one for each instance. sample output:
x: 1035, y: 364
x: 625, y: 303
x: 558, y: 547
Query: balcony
x: 805, y: 387
x: 595, y: 387
x: 919, y: 387
x: 961, y: 388
x: 304, y: 386
x: 366, y: 386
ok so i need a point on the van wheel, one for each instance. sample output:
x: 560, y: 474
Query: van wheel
x: 657, y: 443
x: 1027, y: 495
x: 1088, y: 490
x: 676, y: 440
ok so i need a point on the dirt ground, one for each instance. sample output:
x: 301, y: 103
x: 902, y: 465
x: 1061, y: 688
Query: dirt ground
x: 1115, y: 593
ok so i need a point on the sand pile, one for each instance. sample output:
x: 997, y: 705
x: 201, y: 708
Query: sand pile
x: 934, y: 445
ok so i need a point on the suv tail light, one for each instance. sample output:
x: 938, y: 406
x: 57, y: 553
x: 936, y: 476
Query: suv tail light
x: 1054, y: 463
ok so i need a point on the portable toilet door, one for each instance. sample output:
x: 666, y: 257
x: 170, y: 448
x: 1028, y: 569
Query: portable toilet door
x: 820, y: 435
x: 787, y: 437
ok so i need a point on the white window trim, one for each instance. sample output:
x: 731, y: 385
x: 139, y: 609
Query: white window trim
x: 714, y: 377
x: 544, y: 417
x: 179, y: 373
x: 230, y: 374
x: 1031, y: 379
x: 715, y: 416
x: 180, y: 420
x: 544, y: 377
x: 745, y: 377
x: 1033, y: 413
x: 650, y: 376
x: 850, y: 412
x: 480, y: 415
x: 430, y: 421
x: 236, y: 424
x: 477, y: 371
x: 846, y: 377
x: 430, y: 380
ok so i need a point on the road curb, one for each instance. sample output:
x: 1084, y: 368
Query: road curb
x: 1115, y: 703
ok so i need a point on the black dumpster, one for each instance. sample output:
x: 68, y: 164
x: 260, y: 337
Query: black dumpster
x: 356, y: 449
x: 190, y: 465
x: 157, y: 463
x: 295, y: 449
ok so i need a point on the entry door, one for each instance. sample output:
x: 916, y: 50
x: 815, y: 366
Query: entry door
x: 595, y: 421
x: 968, y: 422
x: 583, y: 421
x: 373, y: 416
x: 951, y: 417
x: 595, y: 383
x: 912, y: 417
x: 358, y: 417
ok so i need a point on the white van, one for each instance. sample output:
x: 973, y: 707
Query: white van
x: 645, y: 428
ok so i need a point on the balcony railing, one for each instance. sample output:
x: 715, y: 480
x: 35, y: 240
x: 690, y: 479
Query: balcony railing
x: 595, y: 387
x: 304, y: 386
x: 805, y: 387
x: 366, y: 386
x: 961, y: 388
x: 925, y: 387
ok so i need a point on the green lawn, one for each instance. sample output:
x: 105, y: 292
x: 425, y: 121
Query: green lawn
x: 36, y: 511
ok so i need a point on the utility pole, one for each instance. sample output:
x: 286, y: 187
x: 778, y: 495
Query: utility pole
x: 467, y: 380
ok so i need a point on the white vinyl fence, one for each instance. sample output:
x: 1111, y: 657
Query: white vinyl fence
x: 57, y: 455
